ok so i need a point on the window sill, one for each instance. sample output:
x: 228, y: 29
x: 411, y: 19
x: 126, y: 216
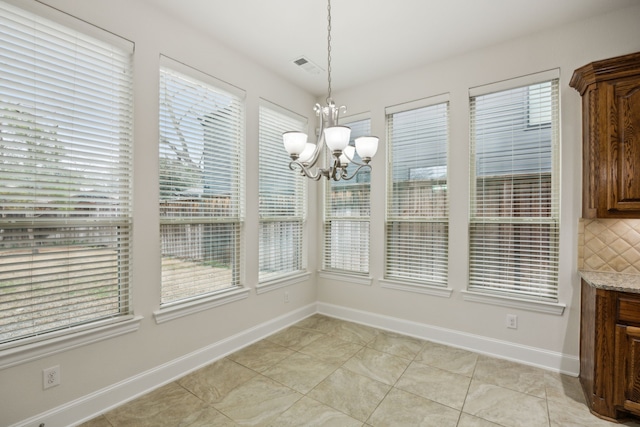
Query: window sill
x: 346, y: 277
x: 505, y: 301
x: 37, y: 347
x: 439, y: 291
x: 262, y: 288
x: 187, y: 308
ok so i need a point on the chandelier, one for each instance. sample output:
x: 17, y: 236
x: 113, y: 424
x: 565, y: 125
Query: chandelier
x: 335, y: 138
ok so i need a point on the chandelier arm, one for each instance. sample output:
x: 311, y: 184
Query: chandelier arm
x: 335, y: 170
x: 293, y: 165
x: 314, y: 158
x: 320, y: 143
x: 345, y: 175
x: 312, y: 162
x: 354, y: 162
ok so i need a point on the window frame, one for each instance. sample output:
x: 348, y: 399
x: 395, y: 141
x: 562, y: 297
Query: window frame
x: 274, y: 160
x: 208, y: 299
x: 505, y: 298
x: 411, y: 284
x: 357, y: 276
x: 33, y: 347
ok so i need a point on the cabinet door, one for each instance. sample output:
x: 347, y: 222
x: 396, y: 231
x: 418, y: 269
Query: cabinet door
x: 627, y: 377
x: 623, y: 144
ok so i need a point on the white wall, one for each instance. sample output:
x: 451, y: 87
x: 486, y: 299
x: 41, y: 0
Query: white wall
x: 547, y: 340
x: 102, y: 374
x: 138, y: 359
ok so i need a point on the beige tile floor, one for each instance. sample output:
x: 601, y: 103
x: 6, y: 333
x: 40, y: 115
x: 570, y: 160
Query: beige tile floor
x: 328, y: 372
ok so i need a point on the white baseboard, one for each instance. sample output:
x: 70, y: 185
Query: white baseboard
x: 550, y: 360
x: 94, y: 404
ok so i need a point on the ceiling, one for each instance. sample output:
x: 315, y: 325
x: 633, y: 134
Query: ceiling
x: 371, y: 39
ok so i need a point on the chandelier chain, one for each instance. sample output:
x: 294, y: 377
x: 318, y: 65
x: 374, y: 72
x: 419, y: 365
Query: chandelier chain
x: 329, y: 50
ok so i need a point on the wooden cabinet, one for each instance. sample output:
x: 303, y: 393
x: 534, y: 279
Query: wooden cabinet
x: 610, y: 92
x: 597, y: 345
x: 610, y: 352
x: 628, y: 368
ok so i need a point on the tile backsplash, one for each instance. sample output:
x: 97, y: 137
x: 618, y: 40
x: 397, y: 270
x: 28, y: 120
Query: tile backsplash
x: 610, y: 245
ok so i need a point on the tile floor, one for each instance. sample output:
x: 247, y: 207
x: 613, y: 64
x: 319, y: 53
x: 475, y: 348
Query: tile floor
x: 328, y: 372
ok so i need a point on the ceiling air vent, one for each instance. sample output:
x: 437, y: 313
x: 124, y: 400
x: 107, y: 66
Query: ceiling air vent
x: 307, y: 65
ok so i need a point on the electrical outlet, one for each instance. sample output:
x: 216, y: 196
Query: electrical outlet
x: 51, y: 377
x: 512, y: 321
x: 286, y: 297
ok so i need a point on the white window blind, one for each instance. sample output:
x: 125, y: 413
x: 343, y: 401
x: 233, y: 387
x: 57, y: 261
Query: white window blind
x: 514, y: 221
x: 65, y: 177
x: 417, y: 202
x: 347, y: 212
x: 282, y: 196
x: 201, y: 188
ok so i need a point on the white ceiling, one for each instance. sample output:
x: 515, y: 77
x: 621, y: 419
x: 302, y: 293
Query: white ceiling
x: 371, y: 38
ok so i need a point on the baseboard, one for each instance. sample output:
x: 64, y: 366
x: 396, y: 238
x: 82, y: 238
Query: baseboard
x: 94, y: 404
x: 549, y: 360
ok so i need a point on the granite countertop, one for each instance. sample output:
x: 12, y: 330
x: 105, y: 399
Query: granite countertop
x: 612, y: 281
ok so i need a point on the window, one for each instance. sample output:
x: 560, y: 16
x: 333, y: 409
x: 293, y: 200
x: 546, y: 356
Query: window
x: 347, y: 211
x: 282, y: 197
x: 417, y: 222
x: 65, y: 178
x: 514, y: 221
x: 201, y: 140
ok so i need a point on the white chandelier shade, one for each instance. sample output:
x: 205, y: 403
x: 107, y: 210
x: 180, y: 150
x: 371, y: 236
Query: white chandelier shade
x: 367, y: 146
x: 337, y: 137
x: 294, y: 142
